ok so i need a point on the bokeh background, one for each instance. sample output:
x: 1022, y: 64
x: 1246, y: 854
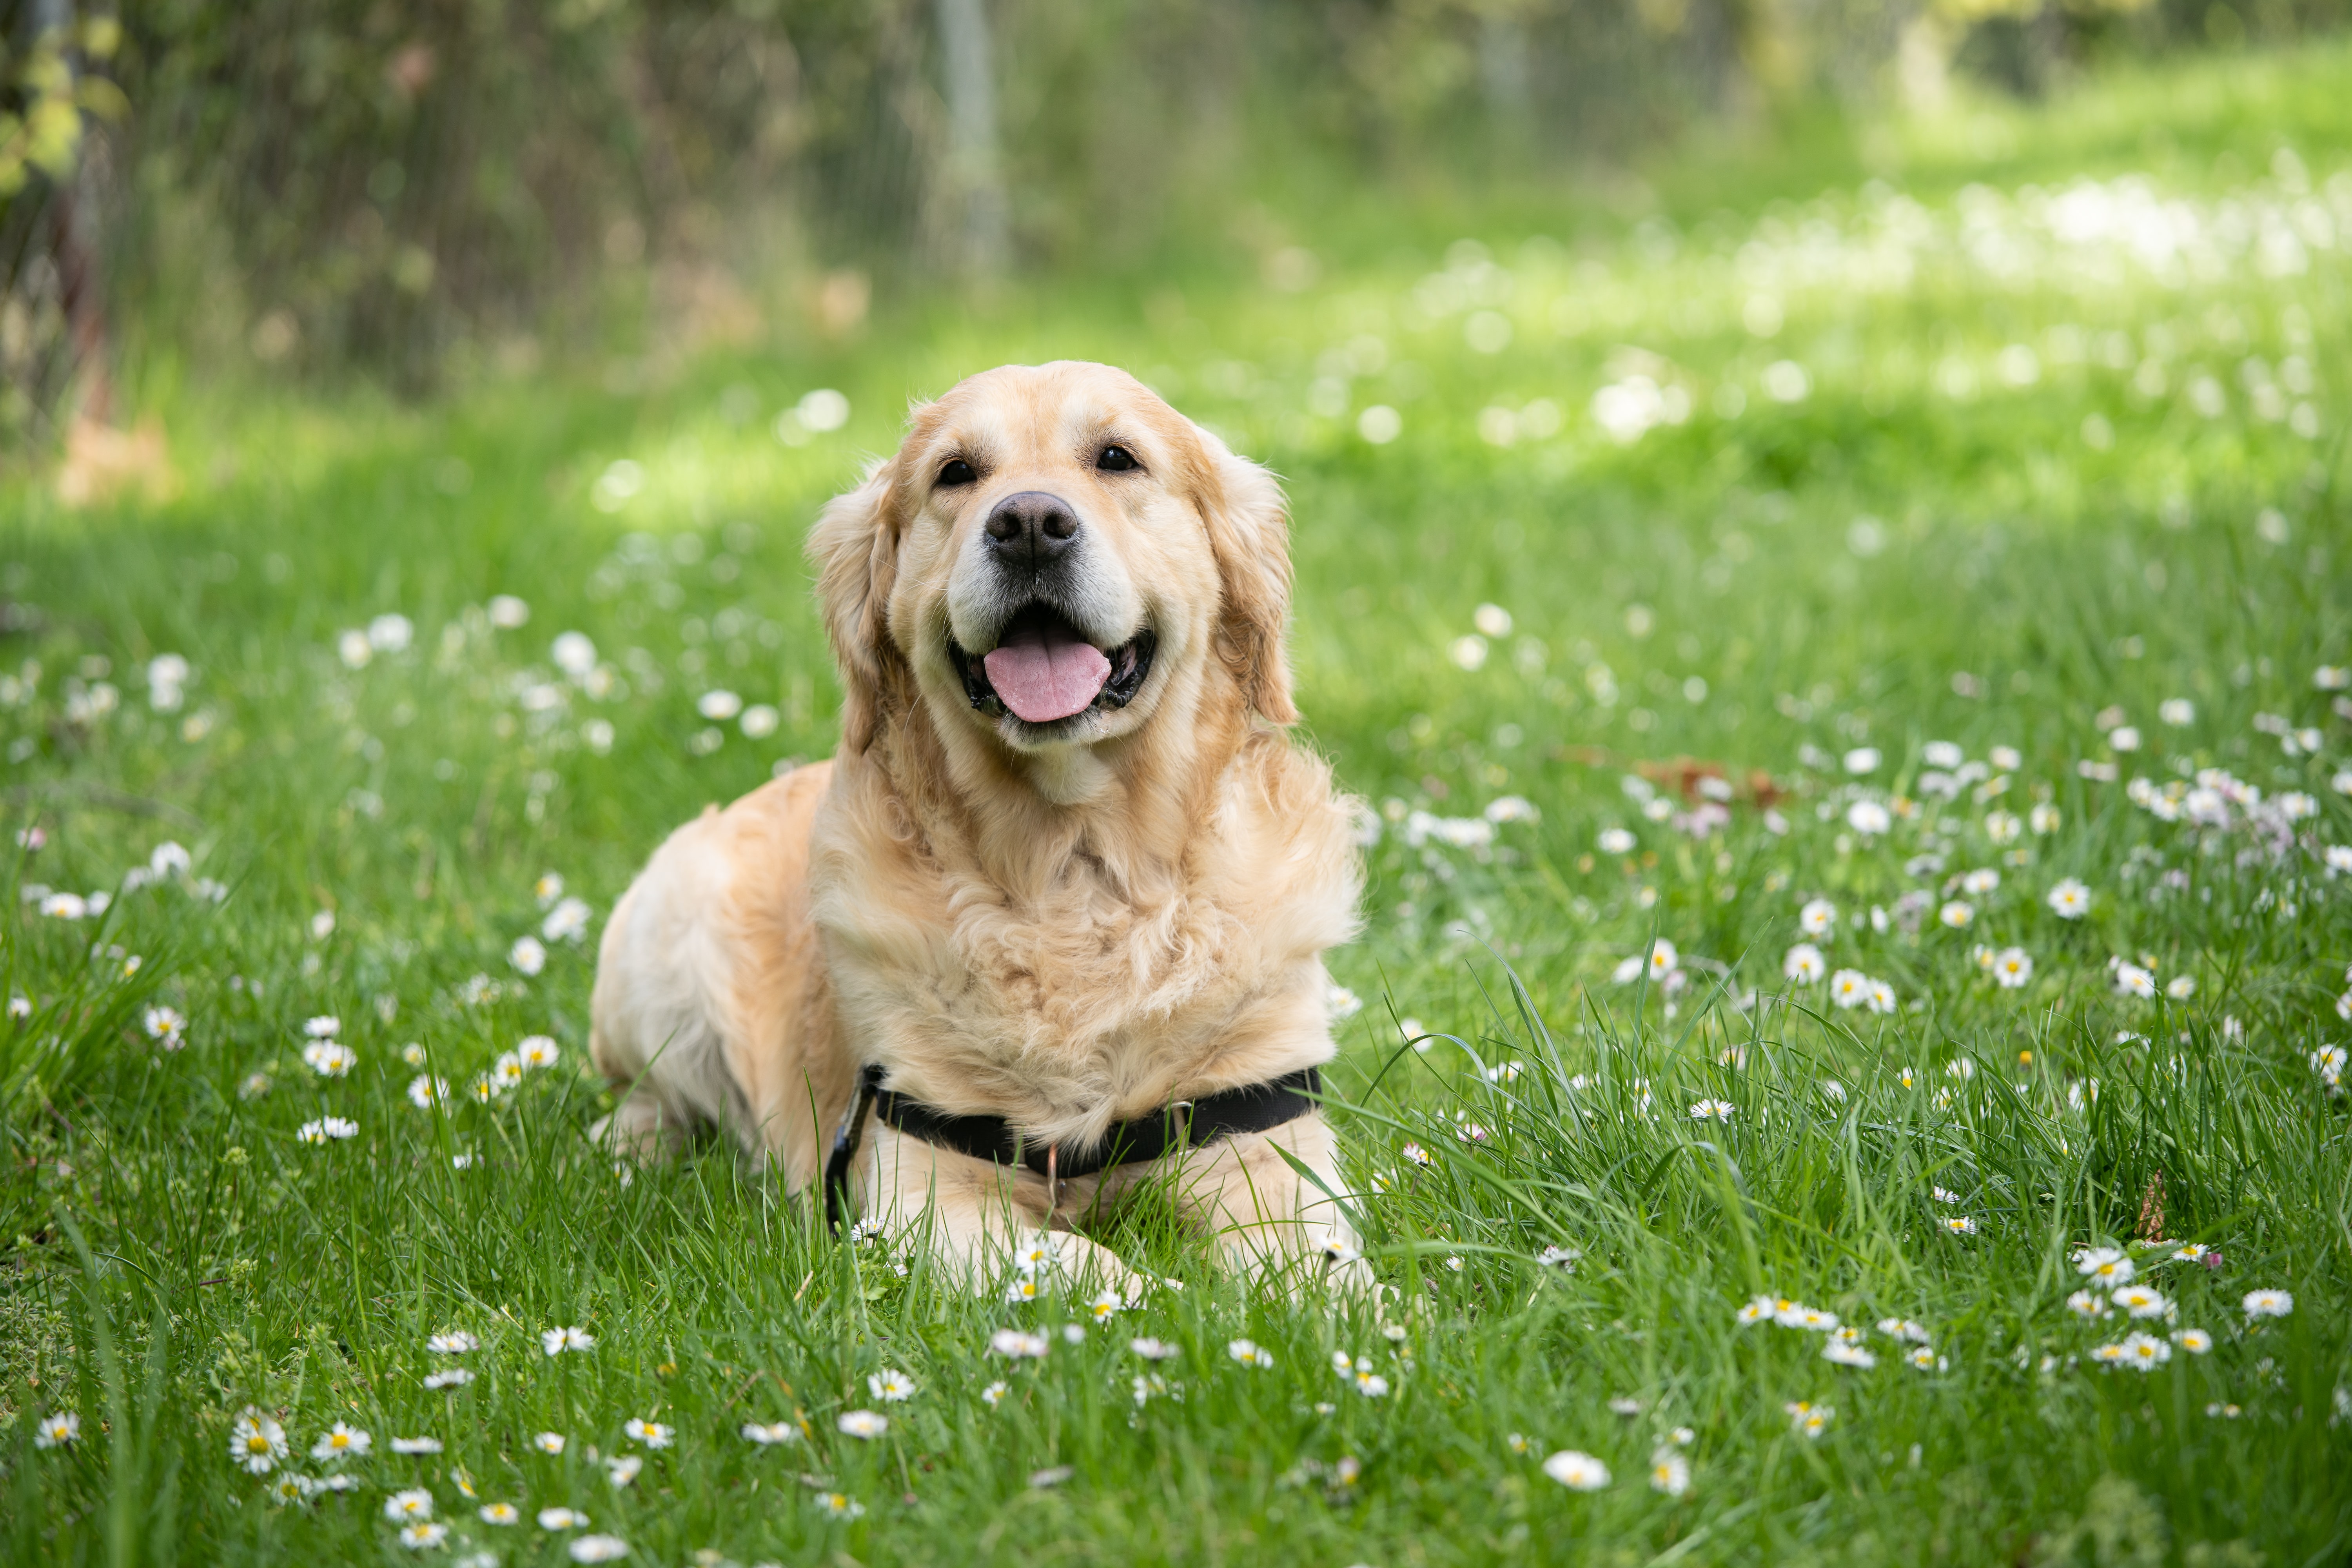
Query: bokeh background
x: 421, y: 194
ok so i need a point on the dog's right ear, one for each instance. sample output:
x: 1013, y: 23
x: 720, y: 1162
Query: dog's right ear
x: 854, y: 548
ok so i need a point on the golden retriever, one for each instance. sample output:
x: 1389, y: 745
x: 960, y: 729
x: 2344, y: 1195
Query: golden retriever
x: 1065, y: 868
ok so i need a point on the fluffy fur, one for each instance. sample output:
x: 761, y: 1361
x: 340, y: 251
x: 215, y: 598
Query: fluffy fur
x: 1063, y: 925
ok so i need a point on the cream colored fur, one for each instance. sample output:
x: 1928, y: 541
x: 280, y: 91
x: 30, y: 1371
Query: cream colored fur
x: 1064, y: 933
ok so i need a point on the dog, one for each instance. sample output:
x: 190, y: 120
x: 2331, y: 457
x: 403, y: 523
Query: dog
x: 1066, y: 880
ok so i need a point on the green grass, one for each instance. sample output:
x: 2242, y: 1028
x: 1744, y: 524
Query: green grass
x: 1925, y: 547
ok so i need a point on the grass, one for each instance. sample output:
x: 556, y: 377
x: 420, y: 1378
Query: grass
x: 1929, y: 545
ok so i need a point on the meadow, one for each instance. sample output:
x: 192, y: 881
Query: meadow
x: 1847, y: 653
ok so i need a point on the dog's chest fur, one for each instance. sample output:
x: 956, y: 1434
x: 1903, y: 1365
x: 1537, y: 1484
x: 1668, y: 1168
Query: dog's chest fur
x: 1098, y: 990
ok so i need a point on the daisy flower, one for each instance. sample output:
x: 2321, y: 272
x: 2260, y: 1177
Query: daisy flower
x: 1903, y: 1329
x: 555, y: 1341
x: 1154, y: 1349
x: 768, y: 1434
x: 1845, y: 1354
x: 2070, y: 899
x: 1958, y: 913
x: 562, y: 1519
x: 2141, y: 1302
x: 1926, y: 1360
x: 1577, y: 1472
x: 535, y: 1051
x: 1249, y: 1353
x: 255, y: 1441
x: 329, y: 1058
x: 2180, y: 987
x: 416, y: 1445
x: 2107, y: 1265
x: 452, y: 1377
x: 1849, y: 987
x: 1942, y: 1195
x: 653, y: 1435
x: 1818, y: 918
x: 1804, y: 965
x: 422, y: 1535
x: 1719, y: 1109
x: 1615, y: 841
x: 1808, y: 1420
x: 2268, y: 1304
x: 891, y: 1386
x: 1663, y: 959
x: 2086, y: 1304
x: 863, y: 1425
x: 993, y: 1394
x: 567, y: 921
x: 413, y: 1503
x: 1669, y: 1472
x: 528, y: 955
x: 499, y: 1513
x: 2195, y: 1341
x: 597, y: 1549
x: 2131, y: 980
x: 2011, y: 968
x: 839, y: 1505
x: 1563, y: 1257
x: 1414, y: 1154
x: 57, y: 1429
x: 1959, y: 1224
x: 1981, y: 881
x: 548, y: 1442
x: 1019, y: 1345
x: 2144, y: 1352
x: 342, y: 1441
x: 1106, y: 1304
x: 2191, y: 1252
x: 424, y: 1090
x: 325, y: 1026
x: 1024, y: 1289
x: 455, y: 1342
x: 1882, y: 998
x: 1868, y: 818
x: 1757, y: 1311
x: 289, y: 1487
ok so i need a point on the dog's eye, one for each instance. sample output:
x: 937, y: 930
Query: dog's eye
x: 956, y: 471
x: 1117, y: 460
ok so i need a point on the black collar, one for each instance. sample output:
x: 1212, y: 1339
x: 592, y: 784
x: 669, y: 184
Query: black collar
x: 1253, y: 1108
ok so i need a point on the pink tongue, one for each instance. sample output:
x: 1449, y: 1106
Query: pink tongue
x: 1046, y: 675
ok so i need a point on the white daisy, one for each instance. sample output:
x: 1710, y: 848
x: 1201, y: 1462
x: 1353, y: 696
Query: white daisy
x: 57, y: 1429
x: 891, y: 1386
x: 863, y: 1425
x: 2070, y: 899
x: 1804, y: 963
x: 255, y: 1441
x: 1578, y: 1472
x: 768, y: 1434
x: 342, y: 1441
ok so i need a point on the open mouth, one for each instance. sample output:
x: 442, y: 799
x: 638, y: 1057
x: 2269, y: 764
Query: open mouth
x: 1042, y: 671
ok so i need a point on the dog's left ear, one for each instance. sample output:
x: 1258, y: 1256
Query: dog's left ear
x: 1249, y: 530
x: 855, y: 549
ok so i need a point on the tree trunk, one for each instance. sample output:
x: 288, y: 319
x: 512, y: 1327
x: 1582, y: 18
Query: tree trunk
x: 973, y: 176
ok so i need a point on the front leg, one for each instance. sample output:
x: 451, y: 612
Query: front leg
x: 1267, y: 1218
x: 973, y: 1216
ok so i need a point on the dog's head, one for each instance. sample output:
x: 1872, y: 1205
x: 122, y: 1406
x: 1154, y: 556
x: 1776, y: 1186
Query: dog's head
x: 1050, y: 556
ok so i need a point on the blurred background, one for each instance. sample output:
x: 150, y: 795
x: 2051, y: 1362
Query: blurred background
x: 418, y: 194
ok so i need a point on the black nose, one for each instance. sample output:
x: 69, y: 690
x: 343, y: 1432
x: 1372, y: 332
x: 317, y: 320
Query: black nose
x: 1032, y: 527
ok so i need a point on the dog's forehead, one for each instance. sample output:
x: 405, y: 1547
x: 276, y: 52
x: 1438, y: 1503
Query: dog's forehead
x: 1039, y: 412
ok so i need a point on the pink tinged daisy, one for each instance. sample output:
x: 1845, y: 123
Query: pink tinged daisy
x: 1576, y: 1471
x: 2268, y: 1304
x: 342, y: 1441
x: 863, y: 1425
x: 555, y: 1341
x: 57, y: 1429
x: 255, y: 1441
x: 769, y: 1434
x: 1414, y: 1154
x: 413, y: 1503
